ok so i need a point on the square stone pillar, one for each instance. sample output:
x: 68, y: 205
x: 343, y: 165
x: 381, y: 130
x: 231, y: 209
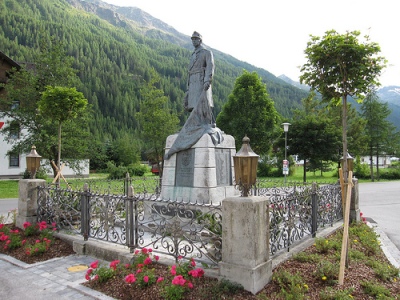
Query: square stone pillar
x: 245, y: 242
x: 27, y: 202
x: 354, y: 204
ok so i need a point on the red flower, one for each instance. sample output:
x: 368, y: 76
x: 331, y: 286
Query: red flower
x: 1, y: 225
x: 114, y: 264
x: 130, y: 278
x: 156, y: 257
x: 137, y: 252
x: 146, y: 279
x: 179, y: 280
x: 173, y: 270
x: 147, y: 261
x: 144, y: 251
x: 26, y: 224
x: 199, y: 272
x: 94, y: 264
x: 160, y: 279
x: 190, y: 285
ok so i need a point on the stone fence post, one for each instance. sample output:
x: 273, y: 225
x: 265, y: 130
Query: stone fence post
x: 354, y: 204
x: 245, y: 240
x: 27, y: 202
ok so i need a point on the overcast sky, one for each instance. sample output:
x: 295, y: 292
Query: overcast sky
x: 273, y: 34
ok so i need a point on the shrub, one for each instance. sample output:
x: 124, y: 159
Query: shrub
x: 327, y: 272
x: 306, y: 257
x: 332, y: 294
x: 292, y: 286
x: 375, y: 290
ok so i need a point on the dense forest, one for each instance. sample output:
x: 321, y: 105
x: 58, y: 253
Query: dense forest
x: 114, y: 59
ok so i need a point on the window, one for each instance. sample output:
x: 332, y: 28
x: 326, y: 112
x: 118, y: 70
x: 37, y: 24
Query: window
x: 14, y: 131
x: 14, y: 160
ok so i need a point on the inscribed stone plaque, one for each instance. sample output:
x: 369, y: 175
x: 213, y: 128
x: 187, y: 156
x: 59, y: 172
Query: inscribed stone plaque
x: 223, y: 163
x: 184, y: 174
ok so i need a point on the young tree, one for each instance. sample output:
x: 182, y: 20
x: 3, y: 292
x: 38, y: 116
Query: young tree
x: 61, y: 104
x: 338, y: 66
x: 250, y: 111
x: 156, y: 120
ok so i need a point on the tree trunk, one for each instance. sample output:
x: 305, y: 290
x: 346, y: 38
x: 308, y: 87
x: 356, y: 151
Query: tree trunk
x: 344, y: 138
x: 59, y: 151
x: 371, y: 164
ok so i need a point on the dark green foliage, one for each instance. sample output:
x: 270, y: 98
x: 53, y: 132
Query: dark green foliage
x: 250, y: 111
x: 113, y: 62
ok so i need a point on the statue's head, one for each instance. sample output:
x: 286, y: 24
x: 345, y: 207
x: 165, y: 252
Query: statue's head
x: 196, y: 35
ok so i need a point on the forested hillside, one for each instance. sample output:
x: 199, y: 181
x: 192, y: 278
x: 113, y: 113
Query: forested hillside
x: 114, y: 56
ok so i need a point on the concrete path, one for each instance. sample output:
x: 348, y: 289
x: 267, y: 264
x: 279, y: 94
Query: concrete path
x: 53, y: 279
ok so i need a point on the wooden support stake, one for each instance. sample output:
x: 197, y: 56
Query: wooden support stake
x: 59, y: 174
x: 346, y: 217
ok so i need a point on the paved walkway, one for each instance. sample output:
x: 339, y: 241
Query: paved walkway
x: 53, y: 279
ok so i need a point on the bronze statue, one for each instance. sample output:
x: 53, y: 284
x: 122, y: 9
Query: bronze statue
x: 198, y: 100
x: 200, y: 74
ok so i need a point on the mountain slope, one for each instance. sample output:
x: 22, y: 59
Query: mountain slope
x: 114, y: 49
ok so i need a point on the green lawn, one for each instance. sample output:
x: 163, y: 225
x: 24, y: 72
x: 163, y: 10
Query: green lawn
x: 9, y: 188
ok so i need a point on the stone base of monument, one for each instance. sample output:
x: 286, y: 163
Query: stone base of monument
x: 202, y: 174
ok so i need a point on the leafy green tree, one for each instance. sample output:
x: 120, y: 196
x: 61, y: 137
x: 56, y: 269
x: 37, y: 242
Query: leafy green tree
x: 338, y: 66
x: 156, y: 120
x: 250, y: 111
x: 61, y: 104
x: 380, y: 132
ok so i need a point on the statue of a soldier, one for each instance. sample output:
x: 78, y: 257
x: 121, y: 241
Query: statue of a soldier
x: 201, y: 71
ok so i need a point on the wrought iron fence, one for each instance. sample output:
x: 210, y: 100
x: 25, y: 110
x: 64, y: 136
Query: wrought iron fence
x: 178, y: 228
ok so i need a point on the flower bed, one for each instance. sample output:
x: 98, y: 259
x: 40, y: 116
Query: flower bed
x: 33, y: 243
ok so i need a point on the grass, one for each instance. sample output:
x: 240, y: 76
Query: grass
x: 9, y: 188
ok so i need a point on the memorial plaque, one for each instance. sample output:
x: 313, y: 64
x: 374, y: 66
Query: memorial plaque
x: 184, y: 172
x: 223, y: 163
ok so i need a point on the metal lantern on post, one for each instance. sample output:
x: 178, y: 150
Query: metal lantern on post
x: 245, y: 164
x: 33, y: 162
x: 285, y: 168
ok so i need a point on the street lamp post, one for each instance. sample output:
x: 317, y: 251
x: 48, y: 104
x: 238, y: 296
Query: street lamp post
x: 285, y: 162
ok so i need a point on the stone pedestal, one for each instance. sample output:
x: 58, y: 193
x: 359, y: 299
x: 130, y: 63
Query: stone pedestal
x: 202, y: 174
x: 27, y: 202
x: 245, y: 240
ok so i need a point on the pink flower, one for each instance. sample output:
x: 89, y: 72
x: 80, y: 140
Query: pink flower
x: 190, y: 285
x: 87, y: 277
x: 140, y: 266
x: 160, y: 279
x: 1, y: 225
x: 139, y: 271
x: 150, y: 250
x: 96, y: 277
x: 180, y: 257
x: 37, y: 241
x: 9, y: 241
x: 178, y: 280
x: 147, y: 261
x: 192, y: 262
x: 173, y: 270
x: 146, y: 279
x: 26, y: 224
x: 94, y: 264
x: 127, y: 266
x: 89, y: 271
x: 114, y: 264
x: 14, y: 231
x: 130, y: 278
x: 144, y: 251
x: 23, y: 242
x: 156, y: 257
x: 54, y: 224
x: 199, y: 272
x: 42, y: 225
x: 137, y: 252
x: 4, y: 237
